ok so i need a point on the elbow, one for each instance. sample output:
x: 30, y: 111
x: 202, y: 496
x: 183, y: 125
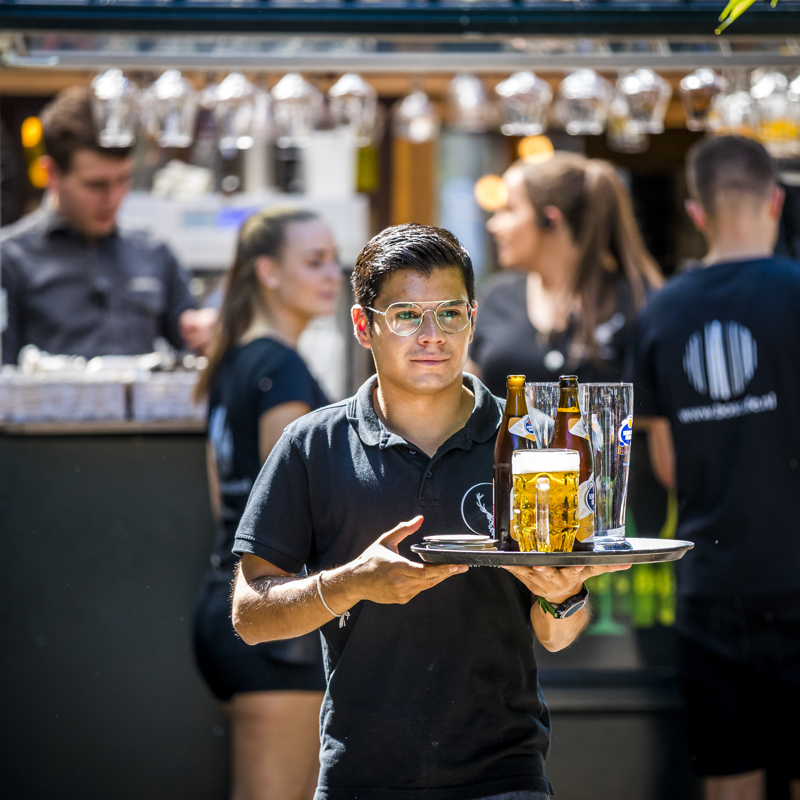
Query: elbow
x: 242, y: 625
x: 553, y: 645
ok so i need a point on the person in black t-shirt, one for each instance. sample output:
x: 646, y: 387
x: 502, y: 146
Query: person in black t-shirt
x: 284, y: 274
x: 577, y: 271
x: 715, y: 365
x: 432, y: 690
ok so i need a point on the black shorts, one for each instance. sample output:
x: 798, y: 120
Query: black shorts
x: 739, y: 661
x: 230, y: 666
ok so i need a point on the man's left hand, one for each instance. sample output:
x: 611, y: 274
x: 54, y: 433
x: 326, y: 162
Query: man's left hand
x: 556, y: 584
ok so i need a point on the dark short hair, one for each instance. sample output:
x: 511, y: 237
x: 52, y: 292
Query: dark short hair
x: 419, y: 248
x: 722, y: 164
x: 68, y: 125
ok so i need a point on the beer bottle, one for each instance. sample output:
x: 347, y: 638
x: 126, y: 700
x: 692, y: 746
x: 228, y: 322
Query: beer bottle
x: 516, y: 433
x: 570, y: 432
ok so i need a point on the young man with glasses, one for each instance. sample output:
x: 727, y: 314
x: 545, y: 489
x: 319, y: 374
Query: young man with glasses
x: 432, y: 683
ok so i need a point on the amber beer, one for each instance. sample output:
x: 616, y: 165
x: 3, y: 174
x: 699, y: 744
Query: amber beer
x: 569, y: 432
x: 516, y: 433
x: 545, y: 499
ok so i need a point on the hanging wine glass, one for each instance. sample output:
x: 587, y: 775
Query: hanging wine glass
x: 647, y: 95
x: 115, y: 109
x: 584, y: 98
x: 733, y: 112
x: 236, y: 112
x: 415, y: 118
x: 296, y: 109
x: 354, y: 105
x: 170, y: 108
x: 621, y: 136
x: 524, y: 100
x: 697, y: 92
x: 775, y: 112
x: 470, y: 109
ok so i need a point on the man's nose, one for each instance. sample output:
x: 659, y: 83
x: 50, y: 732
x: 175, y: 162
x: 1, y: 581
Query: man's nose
x: 429, y: 329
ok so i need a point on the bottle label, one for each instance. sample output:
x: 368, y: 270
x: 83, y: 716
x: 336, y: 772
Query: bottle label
x: 625, y: 436
x: 579, y: 429
x: 523, y: 427
x: 586, y: 510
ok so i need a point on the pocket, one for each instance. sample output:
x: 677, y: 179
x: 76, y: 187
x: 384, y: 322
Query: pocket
x: 146, y: 299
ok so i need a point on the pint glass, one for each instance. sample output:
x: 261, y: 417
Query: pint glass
x: 608, y: 413
x: 545, y: 499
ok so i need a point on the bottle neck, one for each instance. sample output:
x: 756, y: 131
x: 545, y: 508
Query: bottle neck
x: 568, y: 399
x: 515, y: 402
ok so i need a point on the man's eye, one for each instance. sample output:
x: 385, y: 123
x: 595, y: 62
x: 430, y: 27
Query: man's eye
x: 450, y: 313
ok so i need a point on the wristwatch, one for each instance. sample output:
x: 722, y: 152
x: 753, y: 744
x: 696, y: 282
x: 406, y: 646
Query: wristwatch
x: 568, y: 607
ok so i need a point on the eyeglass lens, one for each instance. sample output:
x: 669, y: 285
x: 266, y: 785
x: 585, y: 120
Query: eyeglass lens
x: 406, y: 318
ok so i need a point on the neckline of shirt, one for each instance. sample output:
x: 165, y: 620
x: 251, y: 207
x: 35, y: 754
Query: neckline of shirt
x: 480, y: 427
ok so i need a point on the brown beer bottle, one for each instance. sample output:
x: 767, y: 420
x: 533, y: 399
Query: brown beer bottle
x: 516, y: 433
x: 569, y: 432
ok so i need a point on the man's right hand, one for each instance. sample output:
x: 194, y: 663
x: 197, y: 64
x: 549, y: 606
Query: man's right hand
x: 382, y: 575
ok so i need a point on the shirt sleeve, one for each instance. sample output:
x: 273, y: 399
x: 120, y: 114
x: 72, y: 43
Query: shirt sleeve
x: 276, y: 524
x: 288, y: 381
x: 179, y: 298
x: 640, y: 369
x: 11, y: 318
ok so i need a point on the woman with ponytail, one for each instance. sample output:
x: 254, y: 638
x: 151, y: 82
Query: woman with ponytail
x: 284, y: 274
x: 578, y: 271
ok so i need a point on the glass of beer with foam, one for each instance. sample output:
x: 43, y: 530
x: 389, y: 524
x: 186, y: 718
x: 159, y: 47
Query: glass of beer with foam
x: 545, y: 499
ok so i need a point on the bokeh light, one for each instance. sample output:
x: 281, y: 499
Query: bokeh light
x: 535, y: 149
x: 491, y: 192
x: 31, y: 132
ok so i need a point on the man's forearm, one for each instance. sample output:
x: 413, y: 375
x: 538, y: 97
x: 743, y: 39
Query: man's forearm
x: 271, y: 607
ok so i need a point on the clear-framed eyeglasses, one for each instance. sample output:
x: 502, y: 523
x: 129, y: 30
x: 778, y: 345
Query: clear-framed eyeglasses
x: 405, y: 319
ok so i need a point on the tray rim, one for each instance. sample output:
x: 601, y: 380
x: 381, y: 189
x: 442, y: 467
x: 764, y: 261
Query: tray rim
x: 657, y: 551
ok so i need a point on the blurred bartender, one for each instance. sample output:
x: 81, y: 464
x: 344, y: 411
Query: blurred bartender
x: 72, y: 282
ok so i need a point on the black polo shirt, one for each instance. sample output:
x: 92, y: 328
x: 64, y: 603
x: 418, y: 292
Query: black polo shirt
x: 437, y: 699
x: 69, y: 295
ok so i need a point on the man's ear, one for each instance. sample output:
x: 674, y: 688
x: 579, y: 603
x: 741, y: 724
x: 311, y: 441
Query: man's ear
x: 54, y: 174
x: 361, y: 326
x: 267, y: 272
x: 776, y: 202
x: 697, y: 214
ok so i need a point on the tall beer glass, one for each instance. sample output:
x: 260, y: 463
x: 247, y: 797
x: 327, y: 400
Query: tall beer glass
x: 545, y: 499
x: 542, y: 408
x: 608, y: 411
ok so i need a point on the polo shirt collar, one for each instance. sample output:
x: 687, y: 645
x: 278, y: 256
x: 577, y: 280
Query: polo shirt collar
x: 480, y: 427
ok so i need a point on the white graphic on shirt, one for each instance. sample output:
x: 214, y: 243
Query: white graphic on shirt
x: 221, y: 437
x: 721, y: 360
x: 477, y: 509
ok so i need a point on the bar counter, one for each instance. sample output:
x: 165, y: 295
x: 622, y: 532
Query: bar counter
x: 107, y: 531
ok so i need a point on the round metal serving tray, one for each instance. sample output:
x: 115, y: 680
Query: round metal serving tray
x: 636, y: 551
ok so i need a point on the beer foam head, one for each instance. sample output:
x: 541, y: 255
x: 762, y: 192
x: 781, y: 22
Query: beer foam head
x: 525, y: 462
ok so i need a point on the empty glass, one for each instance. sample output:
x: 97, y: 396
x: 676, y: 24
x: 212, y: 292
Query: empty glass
x: 524, y: 100
x: 607, y: 409
x: 354, y: 105
x: 115, y: 108
x: 647, y: 95
x: 239, y: 113
x: 415, y: 118
x: 697, y: 91
x: 170, y: 108
x: 584, y: 98
x: 470, y: 108
x: 542, y: 408
x: 296, y: 109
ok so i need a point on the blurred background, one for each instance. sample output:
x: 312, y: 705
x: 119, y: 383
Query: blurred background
x: 373, y: 113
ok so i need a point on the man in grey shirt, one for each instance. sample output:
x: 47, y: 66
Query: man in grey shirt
x: 72, y: 282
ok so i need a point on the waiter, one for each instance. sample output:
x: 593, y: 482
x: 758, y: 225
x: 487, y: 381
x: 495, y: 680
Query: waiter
x: 72, y: 282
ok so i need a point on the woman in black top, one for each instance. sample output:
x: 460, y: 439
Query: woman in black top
x: 285, y: 273
x: 577, y: 272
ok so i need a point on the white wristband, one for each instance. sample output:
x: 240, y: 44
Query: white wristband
x: 342, y: 617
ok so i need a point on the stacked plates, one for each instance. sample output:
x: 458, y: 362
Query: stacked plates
x: 462, y: 541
